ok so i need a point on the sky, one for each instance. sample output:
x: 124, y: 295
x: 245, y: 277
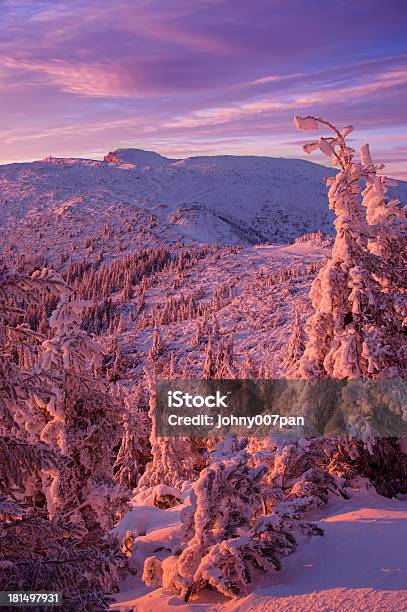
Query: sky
x: 200, y: 77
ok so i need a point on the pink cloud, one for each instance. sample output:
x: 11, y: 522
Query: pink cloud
x: 270, y: 104
x: 85, y: 79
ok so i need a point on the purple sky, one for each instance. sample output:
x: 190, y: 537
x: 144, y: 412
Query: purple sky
x: 188, y: 77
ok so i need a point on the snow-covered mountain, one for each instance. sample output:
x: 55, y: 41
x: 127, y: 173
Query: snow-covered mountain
x: 138, y: 198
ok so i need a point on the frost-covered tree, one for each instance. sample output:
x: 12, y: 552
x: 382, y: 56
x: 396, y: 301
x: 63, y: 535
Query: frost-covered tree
x: 24, y: 388
x: 38, y: 552
x: 157, y: 346
x: 134, y: 451
x: 360, y: 307
x: 209, y: 361
x: 24, y: 383
x: 358, y: 327
x: 83, y: 424
x: 229, y: 532
x: 296, y: 343
x: 224, y: 364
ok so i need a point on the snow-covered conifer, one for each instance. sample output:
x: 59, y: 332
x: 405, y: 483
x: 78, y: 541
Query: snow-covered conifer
x: 157, y: 346
x: 38, y: 552
x: 82, y: 423
x: 209, y: 363
x: 229, y: 535
x: 224, y: 362
x: 296, y: 343
x: 360, y: 307
x: 134, y: 449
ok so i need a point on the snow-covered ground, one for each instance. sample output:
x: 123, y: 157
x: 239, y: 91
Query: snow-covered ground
x: 359, y: 564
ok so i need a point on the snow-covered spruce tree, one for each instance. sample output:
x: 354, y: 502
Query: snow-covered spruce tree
x: 24, y: 387
x: 224, y: 365
x: 230, y: 534
x: 219, y: 359
x: 36, y: 552
x: 24, y: 384
x: 296, y: 344
x: 359, y: 298
x: 134, y: 452
x: 83, y: 425
x: 209, y: 361
x: 360, y: 305
x: 42, y: 554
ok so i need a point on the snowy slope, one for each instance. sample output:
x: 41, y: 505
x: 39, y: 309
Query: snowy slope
x: 259, y: 330
x: 359, y: 564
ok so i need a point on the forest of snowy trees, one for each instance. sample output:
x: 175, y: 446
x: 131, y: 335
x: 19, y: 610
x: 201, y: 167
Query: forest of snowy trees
x: 77, y: 431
